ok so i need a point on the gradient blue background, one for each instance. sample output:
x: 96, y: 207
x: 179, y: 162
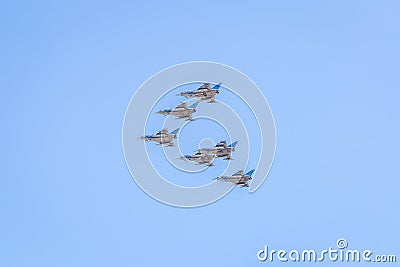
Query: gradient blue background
x: 329, y: 69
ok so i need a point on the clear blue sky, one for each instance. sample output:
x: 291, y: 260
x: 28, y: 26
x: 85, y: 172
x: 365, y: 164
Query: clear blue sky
x: 329, y: 69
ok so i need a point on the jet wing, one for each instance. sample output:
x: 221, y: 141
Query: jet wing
x: 210, y: 99
x: 208, y: 162
x: 163, y: 131
x: 205, y: 86
x: 167, y: 143
x: 183, y: 105
x: 242, y: 182
x: 238, y: 173
x: 187, y: 118
x: 232, y: 180
x: 203, y: 150
x: 222, y: 144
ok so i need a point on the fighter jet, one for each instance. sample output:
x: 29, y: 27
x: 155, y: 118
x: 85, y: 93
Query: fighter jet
x: 182, y: 111
x: 203, y: 93
x: 200, y: 158
x: 220, y: 150
x: 163, y: 137
x: 238, y: 178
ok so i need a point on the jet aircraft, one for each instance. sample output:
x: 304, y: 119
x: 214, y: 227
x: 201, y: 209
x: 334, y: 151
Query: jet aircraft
x: 220, y: 150
x: 203, y: 93
x: 163, y: 137
x: 182, y: 111
x: 238, y: 178
x: 201, y: 158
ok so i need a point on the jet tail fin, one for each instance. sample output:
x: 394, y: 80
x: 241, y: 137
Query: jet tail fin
x: 233, y: 144
x: 175, y: 131
x: 250, y: 173
x: 194, y: 105
x: 217, y: 86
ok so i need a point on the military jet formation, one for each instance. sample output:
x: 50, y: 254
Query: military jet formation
x: 203, y: 156
x: 183, y: 111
